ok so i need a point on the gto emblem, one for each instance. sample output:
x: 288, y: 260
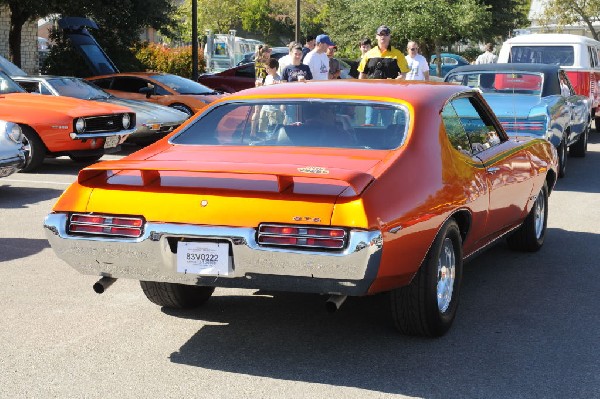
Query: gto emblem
x: 203, y: 203
x: 317, y: 170
x: 306, y: 219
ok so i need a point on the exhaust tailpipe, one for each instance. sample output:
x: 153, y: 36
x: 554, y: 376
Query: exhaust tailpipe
x: 334, y: 302
x: 102, y: 284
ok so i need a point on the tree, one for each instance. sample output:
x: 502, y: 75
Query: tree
x: 506, y: 15
x: 568, y: 12
x: 22, y: 11
x: 120, y: 24
x: 432, y: 24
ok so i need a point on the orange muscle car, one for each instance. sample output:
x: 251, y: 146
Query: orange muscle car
x: 160, y: 88
x: 55, y: 126
x: 285, y: 187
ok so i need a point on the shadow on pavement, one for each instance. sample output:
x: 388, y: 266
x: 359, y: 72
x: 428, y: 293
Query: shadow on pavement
x: 17, y: 248
x: 524, y: 327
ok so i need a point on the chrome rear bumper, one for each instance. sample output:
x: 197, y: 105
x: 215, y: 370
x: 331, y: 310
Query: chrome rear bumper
x: 153, y: 257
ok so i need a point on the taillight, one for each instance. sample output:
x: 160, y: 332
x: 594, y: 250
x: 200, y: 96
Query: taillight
x: 531, y: 127
x: 302, y: 236
x: 121, y: 226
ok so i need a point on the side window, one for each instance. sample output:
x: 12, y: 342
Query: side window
x: 566, y: 89
x: 30, y: 87
x: 246, y: 71
x: 131, y: 85
x: 103, y: 83
x: 591, y: 57
x: 160, y: 91
x: 455, y: 131
x: 466, y: 119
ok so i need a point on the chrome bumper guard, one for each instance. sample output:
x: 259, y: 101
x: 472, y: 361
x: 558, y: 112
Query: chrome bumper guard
x: 87, y: 136
x: 152, y: 257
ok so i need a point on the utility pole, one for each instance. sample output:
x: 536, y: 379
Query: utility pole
x: 297, y: 39
x: 195, y: 40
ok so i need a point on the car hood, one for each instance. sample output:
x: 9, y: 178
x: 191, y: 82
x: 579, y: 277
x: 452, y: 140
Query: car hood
x: 172, y: 185
x: 147, y: 112
x: 36, y: 104
x: 513, y: 105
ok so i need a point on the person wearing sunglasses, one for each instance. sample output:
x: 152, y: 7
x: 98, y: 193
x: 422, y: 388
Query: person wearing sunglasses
x: 417, y: 64
x: 383, y: 61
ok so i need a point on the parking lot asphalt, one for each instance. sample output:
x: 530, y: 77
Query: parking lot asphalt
x: 527, y: 327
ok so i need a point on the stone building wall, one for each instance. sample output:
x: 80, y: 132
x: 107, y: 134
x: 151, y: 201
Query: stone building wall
x: 29, y: 50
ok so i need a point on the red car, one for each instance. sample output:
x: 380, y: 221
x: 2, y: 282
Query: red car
x: 230, y: 80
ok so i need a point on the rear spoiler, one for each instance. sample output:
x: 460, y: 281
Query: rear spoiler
x: 285, y: 174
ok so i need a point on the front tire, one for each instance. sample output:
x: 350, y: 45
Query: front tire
x: 427, y: 306
x: 530, y: 235
x: 85, y: 158
x: 176, y: 296
x: 35, y: 150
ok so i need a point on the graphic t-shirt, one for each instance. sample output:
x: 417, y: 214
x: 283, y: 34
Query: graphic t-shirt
x: 291, y: 73
x: 319, y: 65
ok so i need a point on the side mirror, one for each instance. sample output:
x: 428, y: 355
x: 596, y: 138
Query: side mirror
x: 148, y: 91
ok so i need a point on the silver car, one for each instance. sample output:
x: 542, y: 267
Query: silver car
x: 153, y: 121
x: 12, y: 155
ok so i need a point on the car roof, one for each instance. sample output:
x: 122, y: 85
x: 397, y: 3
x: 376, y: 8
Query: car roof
x: 140, y: 74
x: 429, y: 95
x: 550, y: 38
x: 501, y: 67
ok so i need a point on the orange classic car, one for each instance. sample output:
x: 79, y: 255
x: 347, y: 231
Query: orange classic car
x: 285, y: 187
x: 55, y: 126
x: 160, y: 88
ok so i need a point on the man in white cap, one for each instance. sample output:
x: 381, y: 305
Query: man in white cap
x: 317, y: 59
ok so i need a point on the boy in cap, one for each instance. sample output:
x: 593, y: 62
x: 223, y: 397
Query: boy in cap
x: 383, y: 61
x: 317, y: 59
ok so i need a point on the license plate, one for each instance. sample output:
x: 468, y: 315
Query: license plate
x: 111, y: 141
x: 206, y: 258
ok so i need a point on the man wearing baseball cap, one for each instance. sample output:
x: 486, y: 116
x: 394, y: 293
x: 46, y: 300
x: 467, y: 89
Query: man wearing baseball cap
x: 317, y: 59
x: 383, y: 61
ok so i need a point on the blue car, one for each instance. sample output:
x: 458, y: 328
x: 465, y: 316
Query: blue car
x: 449, y: 62
x: 533, y: 100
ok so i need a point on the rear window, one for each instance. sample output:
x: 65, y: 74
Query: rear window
x: 493, y: 82
x: 300, y: 124
x: 556, y: 55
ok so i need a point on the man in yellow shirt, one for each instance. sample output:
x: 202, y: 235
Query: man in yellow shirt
x: 383, y: 61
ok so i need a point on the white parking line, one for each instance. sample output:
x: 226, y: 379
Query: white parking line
x: 34, y: 181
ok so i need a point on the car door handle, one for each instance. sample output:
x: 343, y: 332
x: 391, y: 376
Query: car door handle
x: 492, y: 170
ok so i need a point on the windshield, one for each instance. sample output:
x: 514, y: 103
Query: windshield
x: 7, y: 85
x: 499, y: 82
x: 78, y: 88
x: 557, y: 55
x: 182, y: 85
x: 300, y: 124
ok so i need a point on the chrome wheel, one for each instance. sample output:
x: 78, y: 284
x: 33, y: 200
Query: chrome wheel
x: 539, y: 216
x: 446, y: 272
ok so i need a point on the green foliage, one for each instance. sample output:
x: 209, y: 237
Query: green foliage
x: 177, y: 61
x: 566, y: 12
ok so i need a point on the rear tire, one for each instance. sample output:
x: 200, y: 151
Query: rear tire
x: 597, y: 123
x: 530, y: 235
x: 176, y: 296
x: 580, y: 147
x: 35, y: 150
x: 562, y: 159
x: 427, y: 306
